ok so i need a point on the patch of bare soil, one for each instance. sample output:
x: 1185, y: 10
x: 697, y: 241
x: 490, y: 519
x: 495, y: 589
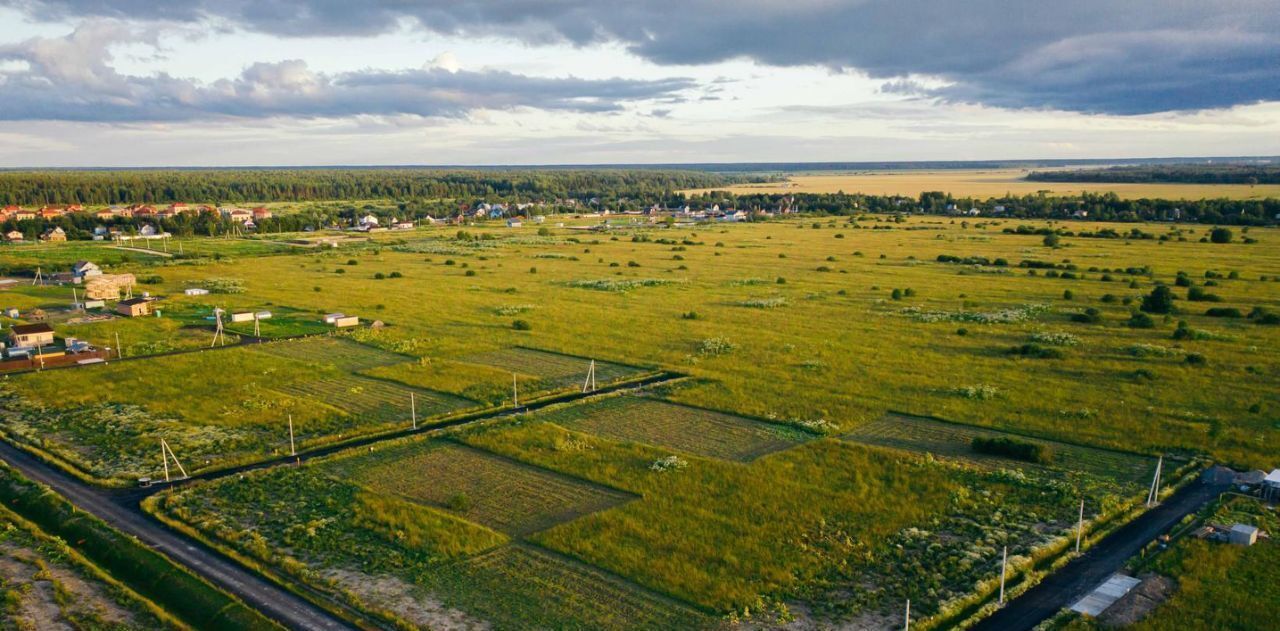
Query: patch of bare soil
x: 1139, y: 602
x: 406, y: 601
x: 803, y: 620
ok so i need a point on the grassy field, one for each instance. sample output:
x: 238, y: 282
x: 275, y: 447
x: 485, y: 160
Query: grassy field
x: 990, y: 183
x: 784, y: 501
x: 940, y: 438
x: 683, y: 428
x: 498, y: 493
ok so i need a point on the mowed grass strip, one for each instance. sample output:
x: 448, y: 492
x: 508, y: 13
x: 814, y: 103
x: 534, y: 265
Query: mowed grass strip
x: 553, y: 370
x: 373, y: 399
x: 684, y: 428
x: 919, y: 434
x: 521, y: 586
x: 341, y: 352
x: 505, y: 495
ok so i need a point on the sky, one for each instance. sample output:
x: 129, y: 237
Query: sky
x: 380, y: 82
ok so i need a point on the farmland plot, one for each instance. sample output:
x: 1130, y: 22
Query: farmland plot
x: 373, y: 400
x: 511, y: 497
x: 346, y: 354
x: 551, y: 370
x: 688, y: 429
x: 914, y: 433
x: 547, y: 590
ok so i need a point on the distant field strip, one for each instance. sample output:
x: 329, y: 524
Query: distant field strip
x: 340, y: 352
x: 554, y: 370
x: 507, y: 496
x: 940, y: 438
x: 372, y: 398
x: 679, y: 427
x: 568, y: 592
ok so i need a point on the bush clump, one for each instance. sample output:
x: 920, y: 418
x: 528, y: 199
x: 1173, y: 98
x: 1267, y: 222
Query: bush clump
x: 521, y: 325
x: 1223, y: 312
x: 1013, y: 448
x: 1036, y: 351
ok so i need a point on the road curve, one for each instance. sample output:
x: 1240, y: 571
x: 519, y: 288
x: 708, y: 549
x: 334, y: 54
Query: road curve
x: 276, y: 603
x: 1083, y: 574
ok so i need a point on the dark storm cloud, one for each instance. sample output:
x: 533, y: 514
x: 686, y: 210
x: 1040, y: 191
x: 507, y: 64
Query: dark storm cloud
x: 1127, y: 56
x: 71, y: 78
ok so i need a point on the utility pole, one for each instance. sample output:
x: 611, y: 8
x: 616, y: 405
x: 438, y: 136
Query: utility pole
x: 906, y: 625
x: 292, y: 450
x: 413, y: 410
x: 515, y: 392
x: 119, y: 348
x: 164, y: 457
x: 1080, y: 526
x: 1004, y: 563
x: 590, y: 383
x: 1153, y: 494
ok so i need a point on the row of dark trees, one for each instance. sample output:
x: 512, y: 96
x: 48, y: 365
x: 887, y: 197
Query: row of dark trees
x: 1251, y: 174
x: 37, y: 188
x: 1091, y: 206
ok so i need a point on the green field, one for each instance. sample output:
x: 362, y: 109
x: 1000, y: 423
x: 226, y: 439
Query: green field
x: 683, y: 428
x: 493, y: 491
x: 799, y: 471
x: 941, y: 438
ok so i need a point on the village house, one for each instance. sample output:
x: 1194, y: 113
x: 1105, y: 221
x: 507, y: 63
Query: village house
x: 84, y: 269
x: 261, y: 213
x: 23, y: 214
x: 30, y: 335
x: 134, y: 307
x: 105, y: 214
x: 54, y: 234
x: 13, y: 235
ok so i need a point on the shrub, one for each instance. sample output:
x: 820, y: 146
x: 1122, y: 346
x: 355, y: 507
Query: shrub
x: 1183, y: 280
x: 1220, y: 235
x: 716, y: 346
x: 1051, y: 240
x: 1141, y: 320
x: 1160, y: 300
x: 1195, y: 359
x: 781, y: 281
x: 1090, y: 316
x: 470, y: 272
x: 962, y: 331
x: 1224, y: 312
x: 670, y: 463
x: 1068, y: 295
x: 1036, y: 351
x: 632, y: 264
x: 151, y: 280
x: 544, y: 231
x: 1013, y: 448
x: 339, y: 271
x: 896, y: 294
x: 1197, y: 294
x: 521, y: 325
x: 395, y: 275
x: 689, y: 315
x: 379, y: 276
x: 450, y: 262
x: 1108, y: 298
x: 533, y: 270
x: 458, y: 502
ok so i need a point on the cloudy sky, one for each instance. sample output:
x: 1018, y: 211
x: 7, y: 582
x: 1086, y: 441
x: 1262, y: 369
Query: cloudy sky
x: 314, y: 82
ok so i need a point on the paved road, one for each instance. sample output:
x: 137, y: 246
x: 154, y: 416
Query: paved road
x: 1082, y: 575
x: 276, y: 603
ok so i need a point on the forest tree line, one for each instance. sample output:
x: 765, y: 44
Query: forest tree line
x: 1251, y: 174
x: 38, y: 188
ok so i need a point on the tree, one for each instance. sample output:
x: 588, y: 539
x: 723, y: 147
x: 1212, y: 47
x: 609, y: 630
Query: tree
x: 1160, y: 300
x: 1220, y: 235
x: 1051, y: 240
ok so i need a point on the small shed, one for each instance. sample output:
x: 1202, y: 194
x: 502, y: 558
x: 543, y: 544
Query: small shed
x: 94, y: 304
x: 263, y: 315
x: 1243, y: 535
x: 134, y: 307
x: 244, y: 316
x: 346, y: 321
x: 330, y: 318
x: 195, y: 291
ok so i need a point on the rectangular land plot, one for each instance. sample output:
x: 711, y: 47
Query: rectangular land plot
x: 553, y: 370
x: 688, y: 429
x: 503, y: 494
x: 521, y: 586
x: 915, y: 433
x: 339, y: 351
x: 373, y: 399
